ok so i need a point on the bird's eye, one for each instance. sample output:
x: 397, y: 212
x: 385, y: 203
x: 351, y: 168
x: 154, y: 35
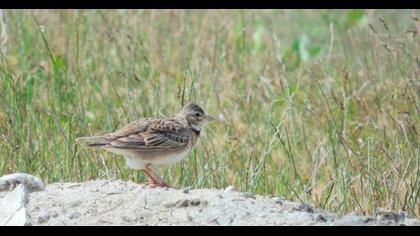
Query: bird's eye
x: 197, y: 114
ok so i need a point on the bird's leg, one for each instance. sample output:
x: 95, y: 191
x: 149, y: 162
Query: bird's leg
x: 152, y: 179
x: 154, y: 182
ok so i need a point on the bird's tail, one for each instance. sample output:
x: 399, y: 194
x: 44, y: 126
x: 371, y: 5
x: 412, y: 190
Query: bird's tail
x: 94, y: 141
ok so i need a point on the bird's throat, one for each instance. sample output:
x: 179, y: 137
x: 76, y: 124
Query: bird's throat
x: 196, y: 132
x: 195, y: 129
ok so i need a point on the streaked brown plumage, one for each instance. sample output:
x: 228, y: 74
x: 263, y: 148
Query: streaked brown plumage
x: 154, y: 142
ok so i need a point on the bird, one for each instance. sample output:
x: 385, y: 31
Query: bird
x: 154, y: 142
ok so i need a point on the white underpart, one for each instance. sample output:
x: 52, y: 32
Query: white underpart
x: 157, y: 161
x: 196, y: 127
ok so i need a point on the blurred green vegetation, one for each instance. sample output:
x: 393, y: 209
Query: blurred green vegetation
x: 319, y: 106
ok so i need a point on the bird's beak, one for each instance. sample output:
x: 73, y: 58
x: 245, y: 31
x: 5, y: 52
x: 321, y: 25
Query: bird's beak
x: 209, y: 118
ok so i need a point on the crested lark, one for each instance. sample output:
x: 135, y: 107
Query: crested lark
x: 154, y: 142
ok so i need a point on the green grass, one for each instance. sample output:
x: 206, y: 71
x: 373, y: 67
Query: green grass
x: 319, y: 106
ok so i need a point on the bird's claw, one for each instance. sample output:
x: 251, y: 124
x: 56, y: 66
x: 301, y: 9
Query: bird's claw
x: 157, y: 184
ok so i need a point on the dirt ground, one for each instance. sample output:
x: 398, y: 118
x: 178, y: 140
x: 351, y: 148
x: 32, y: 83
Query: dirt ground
x: 116, y: 202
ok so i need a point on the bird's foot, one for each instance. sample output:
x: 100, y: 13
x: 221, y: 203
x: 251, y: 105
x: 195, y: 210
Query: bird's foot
x: 160, y: 184
x: 153, y: 181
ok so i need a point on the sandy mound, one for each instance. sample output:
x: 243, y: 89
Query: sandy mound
x: 115, y: 202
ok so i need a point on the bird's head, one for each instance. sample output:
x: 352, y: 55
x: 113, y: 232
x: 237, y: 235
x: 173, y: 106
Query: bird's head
x: 194, y: 116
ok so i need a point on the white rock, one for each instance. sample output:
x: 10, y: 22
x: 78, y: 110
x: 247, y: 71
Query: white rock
x: 136, y: 205
x: 230, y: 188
x: 13, y: 207
x: 32, y: 183
x: 44, y: 216
x: 187, y: 189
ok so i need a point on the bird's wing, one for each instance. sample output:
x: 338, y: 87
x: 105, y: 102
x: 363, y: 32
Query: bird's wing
x: 132, y: 128
x: 160, y: 134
